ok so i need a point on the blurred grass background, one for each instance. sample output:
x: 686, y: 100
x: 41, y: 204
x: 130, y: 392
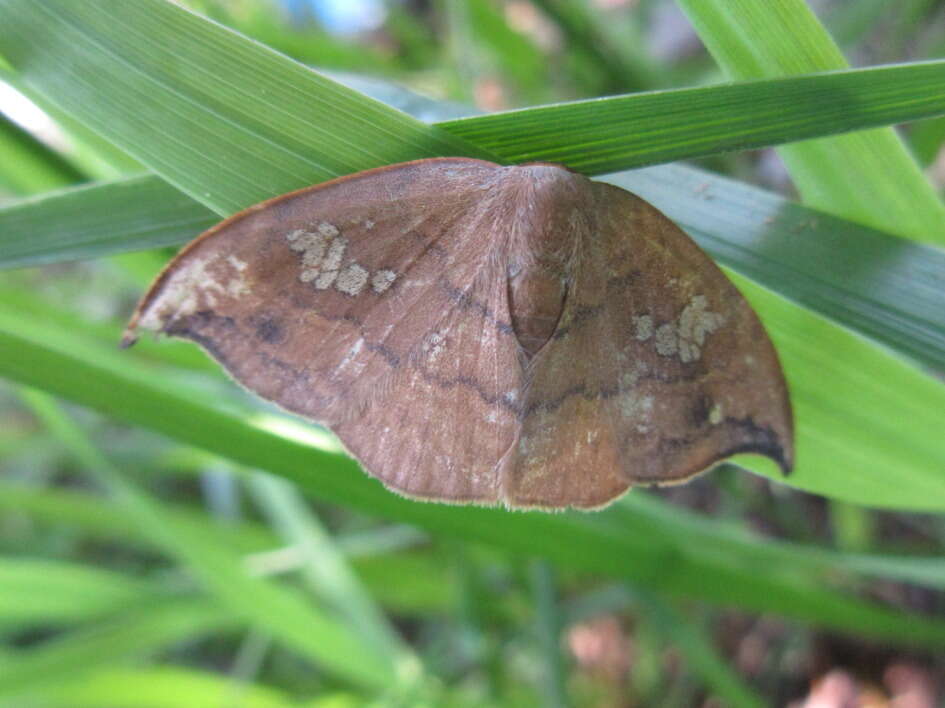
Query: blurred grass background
x: 156, y: 565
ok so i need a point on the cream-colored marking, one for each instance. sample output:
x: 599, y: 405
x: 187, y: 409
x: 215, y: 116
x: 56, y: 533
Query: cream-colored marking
x: 628, y: 379
x: 313, y: 257
x: 633, y: 405
x: 643, y: 326
x: 695, y: 324
x: 236, y: 263
x: 352, y: 279
x: 382, y: 280
x: 592, y: 435
x: 237, y: 287
x: 325, y: 279
x: 184, y: 292
x: 368, y: 224
x: 666, y: 340
x: 688, y: 333
x: 336, y: 252
x: 326, y: 229
x: 715, y: 414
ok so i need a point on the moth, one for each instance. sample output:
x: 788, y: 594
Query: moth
x: 475, y: 333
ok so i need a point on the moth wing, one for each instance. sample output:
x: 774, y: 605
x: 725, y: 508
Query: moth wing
x: 369, y: 303
x: 659, y: 365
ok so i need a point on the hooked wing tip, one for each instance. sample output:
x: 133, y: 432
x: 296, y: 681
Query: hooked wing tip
x: 128, y: 339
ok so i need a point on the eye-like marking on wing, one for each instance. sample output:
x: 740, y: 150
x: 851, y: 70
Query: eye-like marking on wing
x: 484, y: 334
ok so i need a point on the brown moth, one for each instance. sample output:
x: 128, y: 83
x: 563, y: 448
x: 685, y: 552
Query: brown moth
x: 483, y: 334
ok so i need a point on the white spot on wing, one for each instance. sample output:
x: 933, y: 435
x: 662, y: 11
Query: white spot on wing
x: 715, y: 414
x: 382, y: 280
x: 643, y: 327
x: 688, y: 333
x: 236, y: 263
x: 352, y: 279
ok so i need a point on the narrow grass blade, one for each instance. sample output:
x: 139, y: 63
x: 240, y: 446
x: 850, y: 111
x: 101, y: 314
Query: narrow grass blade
x: 159, y: 687
x: 868, y: 177
x: 285, y: 613
x: 98, y: 220
x: 609, y: 134
x: 324, y: 566
x: 136, y: 633
x: 158, y: 81
x: 609, y: 543
x: 39, y: 591
x: 27, y: 166
x: 698, y: 653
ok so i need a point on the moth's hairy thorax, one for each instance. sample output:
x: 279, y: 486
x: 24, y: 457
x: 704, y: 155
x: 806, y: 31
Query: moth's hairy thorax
x: 547, y: 229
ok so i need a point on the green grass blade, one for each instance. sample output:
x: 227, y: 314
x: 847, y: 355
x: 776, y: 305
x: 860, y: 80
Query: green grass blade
x: 868, y: 177
x: 98, y: 519
x: 158, y: 687
x: 407, y: 582
x: 27, y: 166
x: 324, y: 566
x: 98, y: 220
x: 213, y: 132
x: 609, y: 134
x: 279, y: 609
x: 35, y: 591
x: 548, y: 626
x: 610, y: 543
x: 135, y: 633
x: 158, y: 81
